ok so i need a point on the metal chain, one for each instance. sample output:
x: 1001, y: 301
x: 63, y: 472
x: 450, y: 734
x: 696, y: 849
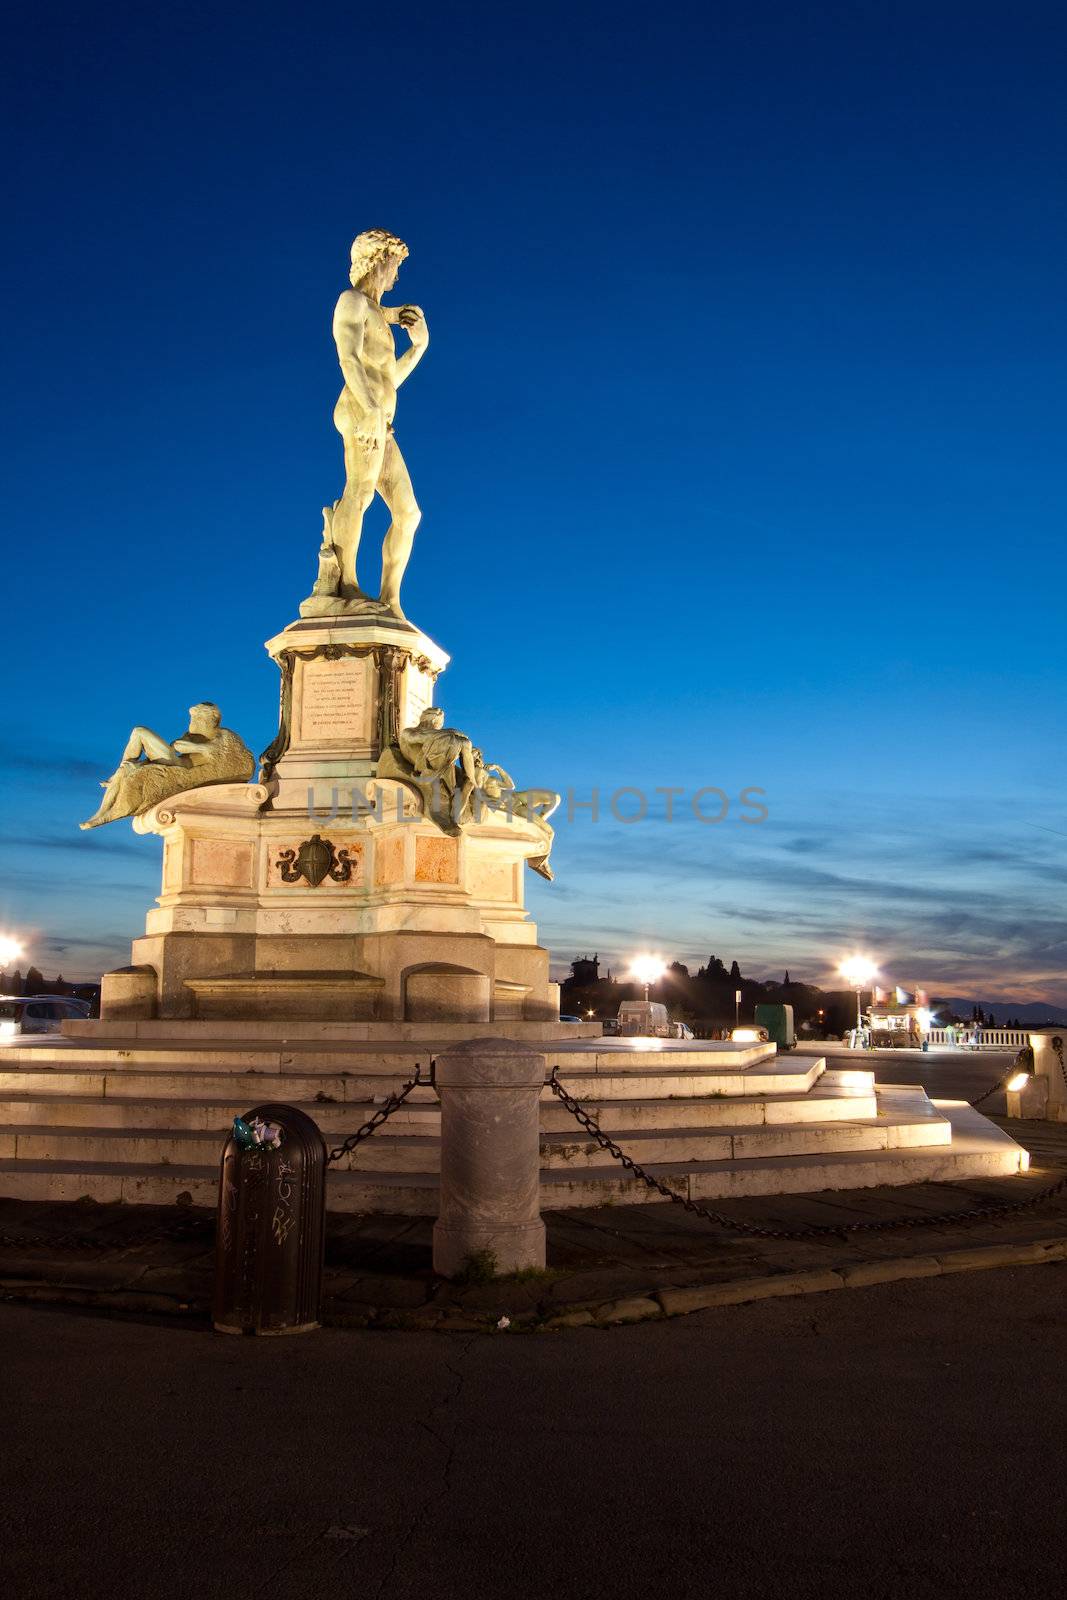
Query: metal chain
x: 1057, y: 1050
x: 995, y: 1208
x: 383, y: 1113
x: 974, y: 1104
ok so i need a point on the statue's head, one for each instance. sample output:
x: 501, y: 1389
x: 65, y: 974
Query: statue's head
x: 376, y: 258
x: 432, y: 717
x: 204, y: 717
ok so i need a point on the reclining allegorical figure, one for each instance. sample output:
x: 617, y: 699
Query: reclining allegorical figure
x: 458, y: 784
x: 152, y: 770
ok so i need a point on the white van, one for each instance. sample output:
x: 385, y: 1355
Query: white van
x: 646, y: 1019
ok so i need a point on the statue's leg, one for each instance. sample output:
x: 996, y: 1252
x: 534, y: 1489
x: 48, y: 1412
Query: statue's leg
x: 394, y: 486
x: 143, y: 742
x: 361, y: 477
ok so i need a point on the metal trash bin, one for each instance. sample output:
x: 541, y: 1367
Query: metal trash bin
x: 271, y: 1216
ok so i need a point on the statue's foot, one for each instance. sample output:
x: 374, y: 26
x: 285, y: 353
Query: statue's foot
x: 93, y: 822
x: 352, y: 591
x: 391, y: 604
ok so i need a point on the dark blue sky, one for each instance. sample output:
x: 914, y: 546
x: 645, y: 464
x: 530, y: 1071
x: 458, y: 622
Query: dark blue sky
x: 739, y: 441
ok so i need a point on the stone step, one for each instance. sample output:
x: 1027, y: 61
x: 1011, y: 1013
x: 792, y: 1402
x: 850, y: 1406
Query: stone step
x: 392, y: 1055
x: 197, y: 1033
x: 375, y: 1077
x: 421, y: 1112
x: 653, y: 1146
x: 658, y: 1084
x: 391, y: 1150
x: 246, y: 1088
x: 978, y: 1149
x: 214, y: 1116
x: 705, y: 1111
x: 363, y: 1058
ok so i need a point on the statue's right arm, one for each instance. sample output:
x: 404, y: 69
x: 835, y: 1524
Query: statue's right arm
x: 349, y: 324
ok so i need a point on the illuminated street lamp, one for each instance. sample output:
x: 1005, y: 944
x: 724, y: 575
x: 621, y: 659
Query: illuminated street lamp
x: 10, y: 950
x: 647, y: 970
x: 858, y: 971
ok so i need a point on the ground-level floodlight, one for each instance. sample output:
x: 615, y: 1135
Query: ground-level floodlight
x: 1017, y: 1081
x: 647, y: 970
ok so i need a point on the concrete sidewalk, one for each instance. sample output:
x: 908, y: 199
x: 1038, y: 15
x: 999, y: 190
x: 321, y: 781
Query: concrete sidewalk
x: 615, y: 1264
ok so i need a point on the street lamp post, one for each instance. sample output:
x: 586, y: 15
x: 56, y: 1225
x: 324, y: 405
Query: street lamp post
x: 859, y: 970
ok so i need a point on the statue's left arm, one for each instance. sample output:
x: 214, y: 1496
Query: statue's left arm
x: 413, y: 320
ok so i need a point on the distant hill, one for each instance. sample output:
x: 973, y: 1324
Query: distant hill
x: 1004, y: 1010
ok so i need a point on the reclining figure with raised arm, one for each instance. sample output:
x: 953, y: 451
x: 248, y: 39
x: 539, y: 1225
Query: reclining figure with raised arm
x: 152, y: 770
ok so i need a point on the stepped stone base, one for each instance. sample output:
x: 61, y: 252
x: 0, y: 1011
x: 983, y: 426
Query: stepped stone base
x: 140, y: 1111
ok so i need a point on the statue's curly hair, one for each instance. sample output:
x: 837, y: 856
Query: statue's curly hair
x: 371, y: 247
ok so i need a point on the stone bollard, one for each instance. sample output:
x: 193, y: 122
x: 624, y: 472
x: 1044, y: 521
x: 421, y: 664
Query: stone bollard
x: 1031, y: 1101
x: 490, y: 1092
x: 1047, y: 1097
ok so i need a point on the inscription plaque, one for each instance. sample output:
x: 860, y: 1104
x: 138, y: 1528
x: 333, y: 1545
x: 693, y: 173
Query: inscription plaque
x: 334, y: 700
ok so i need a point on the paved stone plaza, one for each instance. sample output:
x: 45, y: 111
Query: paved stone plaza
x: 888, y: 1443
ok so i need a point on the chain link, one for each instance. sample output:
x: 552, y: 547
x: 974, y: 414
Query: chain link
x: 995, y: 1208
x: 383, y: 1113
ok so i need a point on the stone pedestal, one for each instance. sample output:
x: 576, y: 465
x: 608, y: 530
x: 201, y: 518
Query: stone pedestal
x: 490, y: 1091
x: 325, y: 891
x: 348, y: 685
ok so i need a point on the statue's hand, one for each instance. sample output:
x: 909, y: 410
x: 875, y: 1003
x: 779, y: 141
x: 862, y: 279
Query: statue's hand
x: 413, y: 319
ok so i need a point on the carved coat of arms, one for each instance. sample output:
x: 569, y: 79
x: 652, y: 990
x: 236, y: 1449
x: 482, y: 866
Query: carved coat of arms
x: 315, y: 860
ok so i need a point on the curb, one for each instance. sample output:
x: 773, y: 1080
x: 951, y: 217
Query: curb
x: 704, y: 1297
x: 659, y: 1304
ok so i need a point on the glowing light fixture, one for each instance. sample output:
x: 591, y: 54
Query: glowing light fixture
x: 858, y: 971
x: 1017, y: 1081
x: 647, y: 970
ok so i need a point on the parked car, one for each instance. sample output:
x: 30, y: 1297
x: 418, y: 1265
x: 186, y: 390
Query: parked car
x: 566, y: 1016
x: 38, y: 1013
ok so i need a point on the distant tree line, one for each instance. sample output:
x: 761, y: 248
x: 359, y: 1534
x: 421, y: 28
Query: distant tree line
x: 36, y: 983
x: 705, y: 999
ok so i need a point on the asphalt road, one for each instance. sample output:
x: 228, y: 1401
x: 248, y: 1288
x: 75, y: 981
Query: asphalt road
x: 902, y: 1441
x: 944, y: 1074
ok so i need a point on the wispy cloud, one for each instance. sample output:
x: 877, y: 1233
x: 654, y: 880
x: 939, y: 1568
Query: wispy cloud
x: 97, y: 843
x: 16, y: 758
